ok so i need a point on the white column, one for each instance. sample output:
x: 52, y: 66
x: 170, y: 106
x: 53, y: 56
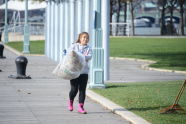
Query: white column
x: 91, y: 22
x: 87, y: 15
x: 56, y: 31
x: 72, y: 24
x: 61, y: 39
x: 66, y: 24
x: 47, y: 25
x: 79, y: 16
x: 52, y: 31
x: 6, y: 25
x: 83, y: 15
x: 75, y: 20
x: 64, y: 37
x: 105, y: 27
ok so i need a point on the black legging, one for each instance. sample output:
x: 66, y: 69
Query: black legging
x: 78, y: 83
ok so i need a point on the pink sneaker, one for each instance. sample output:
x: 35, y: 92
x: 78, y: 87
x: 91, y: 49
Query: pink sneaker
x: 81, y: 109
x: 70, y: 105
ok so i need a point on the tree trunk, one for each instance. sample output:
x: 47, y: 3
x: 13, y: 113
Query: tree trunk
x: 118, y: 15
x: 125, y: 12
x: 111, y: 13
x: 171, y: 20
x: 163, y: 27
x: 132, y: 19
x: 125, y: 17
x: 182, y: 19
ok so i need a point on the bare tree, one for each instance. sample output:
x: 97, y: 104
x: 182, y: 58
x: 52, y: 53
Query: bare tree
x: 132, y: 16
x: 118, y: 10
x: 171, y: 5
x: 125, y: 16
x: 162, y: 5
x: 131, y: 11
x: 118, y: 14
x: 133, y: 5
x: 112, y: 4
x: 181, y: 3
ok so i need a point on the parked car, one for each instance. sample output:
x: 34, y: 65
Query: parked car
x: 142, y: 22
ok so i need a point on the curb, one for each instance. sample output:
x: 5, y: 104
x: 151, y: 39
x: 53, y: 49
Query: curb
x: 124, y: 113
x: 133, y: 59
x: 13, y: 50
x: 19, y: 53
x: 146, y: 66
x: 148, y: 36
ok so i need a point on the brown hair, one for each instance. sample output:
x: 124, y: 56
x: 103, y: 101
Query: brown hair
x: 82, y: 33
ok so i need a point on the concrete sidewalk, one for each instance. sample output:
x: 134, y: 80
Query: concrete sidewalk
x: 43, y: 99
x: 130, y: 70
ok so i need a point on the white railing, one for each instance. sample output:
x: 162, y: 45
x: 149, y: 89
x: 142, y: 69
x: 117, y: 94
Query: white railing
x: 16, y: 31
x: 34, y: 28
x: 120, y: 29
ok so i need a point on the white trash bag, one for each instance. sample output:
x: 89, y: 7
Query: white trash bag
x: 70, y: 66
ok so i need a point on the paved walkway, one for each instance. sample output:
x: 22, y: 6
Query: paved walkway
x: 123, y: 70
x: 42, y: 99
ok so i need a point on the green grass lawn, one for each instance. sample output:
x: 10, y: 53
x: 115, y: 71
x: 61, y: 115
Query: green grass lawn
x: 36, y: 47
x: 170, y: 53
x: 147, y: 99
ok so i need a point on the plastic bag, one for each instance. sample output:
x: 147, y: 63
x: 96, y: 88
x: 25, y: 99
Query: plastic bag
x: 70, y: 66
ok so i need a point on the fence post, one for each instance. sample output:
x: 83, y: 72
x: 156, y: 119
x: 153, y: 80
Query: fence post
x: 26, y: 47
x: 6, y: 23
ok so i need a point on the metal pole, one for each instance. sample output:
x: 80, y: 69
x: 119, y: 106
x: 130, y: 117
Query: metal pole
x: 26, y: 44
x: 6, y: 24
x: 128, y: 18
x: 97, y: 63
x: 105, y: 26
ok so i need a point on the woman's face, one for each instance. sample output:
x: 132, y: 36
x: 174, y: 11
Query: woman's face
x: 84, y: 39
